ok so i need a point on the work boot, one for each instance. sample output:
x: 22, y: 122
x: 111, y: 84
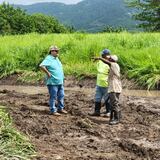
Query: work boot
x: 112, y: 116
x: 97, y: 109
x: 116, y: 118
x: 62, y: 111
x: 108, y: 109
x: 106, y: 114
x: 54, y: 113
x: 120, y: 115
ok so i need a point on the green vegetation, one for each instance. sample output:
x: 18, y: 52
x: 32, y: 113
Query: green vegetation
x: 88, y: 15
x: 13, y: 145
x: 138, y: 54
x: 16, y: 21
x: 148, y: 12
x: 110, y: 29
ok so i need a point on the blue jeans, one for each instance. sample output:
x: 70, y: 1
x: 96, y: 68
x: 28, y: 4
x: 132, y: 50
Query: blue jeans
x: 101, y: 92
x: 56, y: 93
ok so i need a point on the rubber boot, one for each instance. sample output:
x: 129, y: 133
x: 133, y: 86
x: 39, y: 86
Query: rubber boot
x: 108, y: 108
x: 112, y: 116
x: 120, y: 115
x: 97, y: 109
x: 116, y: 119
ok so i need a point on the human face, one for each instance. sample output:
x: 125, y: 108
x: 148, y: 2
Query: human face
x: 104, y: 56
x: 54, y: 53
x: 108, y: 57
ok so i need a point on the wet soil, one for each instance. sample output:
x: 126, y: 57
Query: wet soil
x: 70, y: 81
x: 78, y: 136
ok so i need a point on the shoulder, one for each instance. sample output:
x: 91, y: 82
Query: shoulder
x: 48, y: 56
x: 115, y: 65
x: 48, y: 59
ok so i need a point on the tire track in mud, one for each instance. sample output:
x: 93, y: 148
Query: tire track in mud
x: 79, y: 136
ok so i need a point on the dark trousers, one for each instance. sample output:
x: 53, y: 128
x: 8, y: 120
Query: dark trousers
x: 114, y: 101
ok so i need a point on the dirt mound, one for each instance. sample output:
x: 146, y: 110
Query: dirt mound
x: 70, y: 81
x: 81, y: 137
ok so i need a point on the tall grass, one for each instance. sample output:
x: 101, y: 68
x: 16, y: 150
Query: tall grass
x: 13, y: 145
x: 139, y: 54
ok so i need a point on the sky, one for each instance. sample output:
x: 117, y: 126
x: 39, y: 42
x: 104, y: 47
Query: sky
x: 26, y: 2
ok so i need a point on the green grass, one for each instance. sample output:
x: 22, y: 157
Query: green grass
x: 139, y: 54
x: 13, y: 145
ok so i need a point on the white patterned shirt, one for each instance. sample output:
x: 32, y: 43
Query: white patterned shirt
x: 114, y: 79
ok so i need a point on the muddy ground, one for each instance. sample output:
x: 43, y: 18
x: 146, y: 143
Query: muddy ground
x: 77, y: 136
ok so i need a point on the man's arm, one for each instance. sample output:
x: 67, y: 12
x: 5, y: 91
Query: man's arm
x: 103, y: 60
x: 43, y: 68
x: 116, y: 70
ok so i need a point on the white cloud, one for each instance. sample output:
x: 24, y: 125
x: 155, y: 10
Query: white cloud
x: 36, y: 1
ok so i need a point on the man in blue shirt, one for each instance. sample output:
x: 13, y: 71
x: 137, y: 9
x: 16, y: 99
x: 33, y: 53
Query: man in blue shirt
x: 52, y: 66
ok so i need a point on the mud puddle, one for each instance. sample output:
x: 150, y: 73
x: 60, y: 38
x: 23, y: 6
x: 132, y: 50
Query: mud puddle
x: 42, y: 90
x: 141, y: 93
x: 77, y: 136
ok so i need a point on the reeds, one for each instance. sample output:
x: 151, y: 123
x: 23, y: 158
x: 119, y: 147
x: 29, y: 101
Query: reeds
x: 13, y: 145
x: 139, y: 53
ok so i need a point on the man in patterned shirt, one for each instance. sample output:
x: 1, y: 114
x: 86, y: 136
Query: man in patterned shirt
x: 115, y: 87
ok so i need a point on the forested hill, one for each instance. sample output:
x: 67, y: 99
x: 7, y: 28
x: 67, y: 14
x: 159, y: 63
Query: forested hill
x: 89, y: 15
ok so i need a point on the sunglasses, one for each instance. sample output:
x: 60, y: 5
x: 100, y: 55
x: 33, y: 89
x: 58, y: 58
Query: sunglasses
x: 55, y: 50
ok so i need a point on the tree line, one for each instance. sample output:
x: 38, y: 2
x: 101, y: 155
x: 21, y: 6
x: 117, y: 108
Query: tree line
x: 147, y: 12
x: 17, y: 21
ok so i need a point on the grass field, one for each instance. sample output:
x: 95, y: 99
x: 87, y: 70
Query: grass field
x: 13, y: 145
x: 139, y: 54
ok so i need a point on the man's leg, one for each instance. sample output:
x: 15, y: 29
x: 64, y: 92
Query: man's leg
x: 52, y: 98
x: 107, y: 101
x: 60, y: 99
x: 98, y: 98
x: 115, y: 108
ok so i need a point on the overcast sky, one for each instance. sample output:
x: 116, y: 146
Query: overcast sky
x: 36, y: 1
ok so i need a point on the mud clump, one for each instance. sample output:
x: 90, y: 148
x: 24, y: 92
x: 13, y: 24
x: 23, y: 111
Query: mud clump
x: 84, y: 123
x: 81, y: 137
x: 142, y: 148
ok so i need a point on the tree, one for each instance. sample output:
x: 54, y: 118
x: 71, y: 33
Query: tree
x: 13, y: 20
x: 5, y: 28
x: 47, y: 24
x: 148, y: 12
x: 16, y: 21
x: 111, y: 29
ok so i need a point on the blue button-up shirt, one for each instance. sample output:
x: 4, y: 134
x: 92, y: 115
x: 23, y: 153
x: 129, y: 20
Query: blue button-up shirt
x: 54, y: 66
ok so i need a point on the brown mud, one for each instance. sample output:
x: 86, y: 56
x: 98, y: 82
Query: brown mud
x: 70, y: 81
x: 78, y: 136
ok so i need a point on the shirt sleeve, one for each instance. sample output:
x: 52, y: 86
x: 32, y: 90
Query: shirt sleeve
x: 45, y: 62
x: 115, y: 68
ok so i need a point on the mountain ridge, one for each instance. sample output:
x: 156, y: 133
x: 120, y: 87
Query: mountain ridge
x: 88, y: 15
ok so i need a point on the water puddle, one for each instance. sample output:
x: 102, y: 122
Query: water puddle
x: 25, y: 89
x: 141, y: 93
x: 43, y: 90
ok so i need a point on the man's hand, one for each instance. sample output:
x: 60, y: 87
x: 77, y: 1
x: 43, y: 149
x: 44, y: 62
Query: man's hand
x: 46, y: 71
x: 48, y: 74
x: 95, y: 58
